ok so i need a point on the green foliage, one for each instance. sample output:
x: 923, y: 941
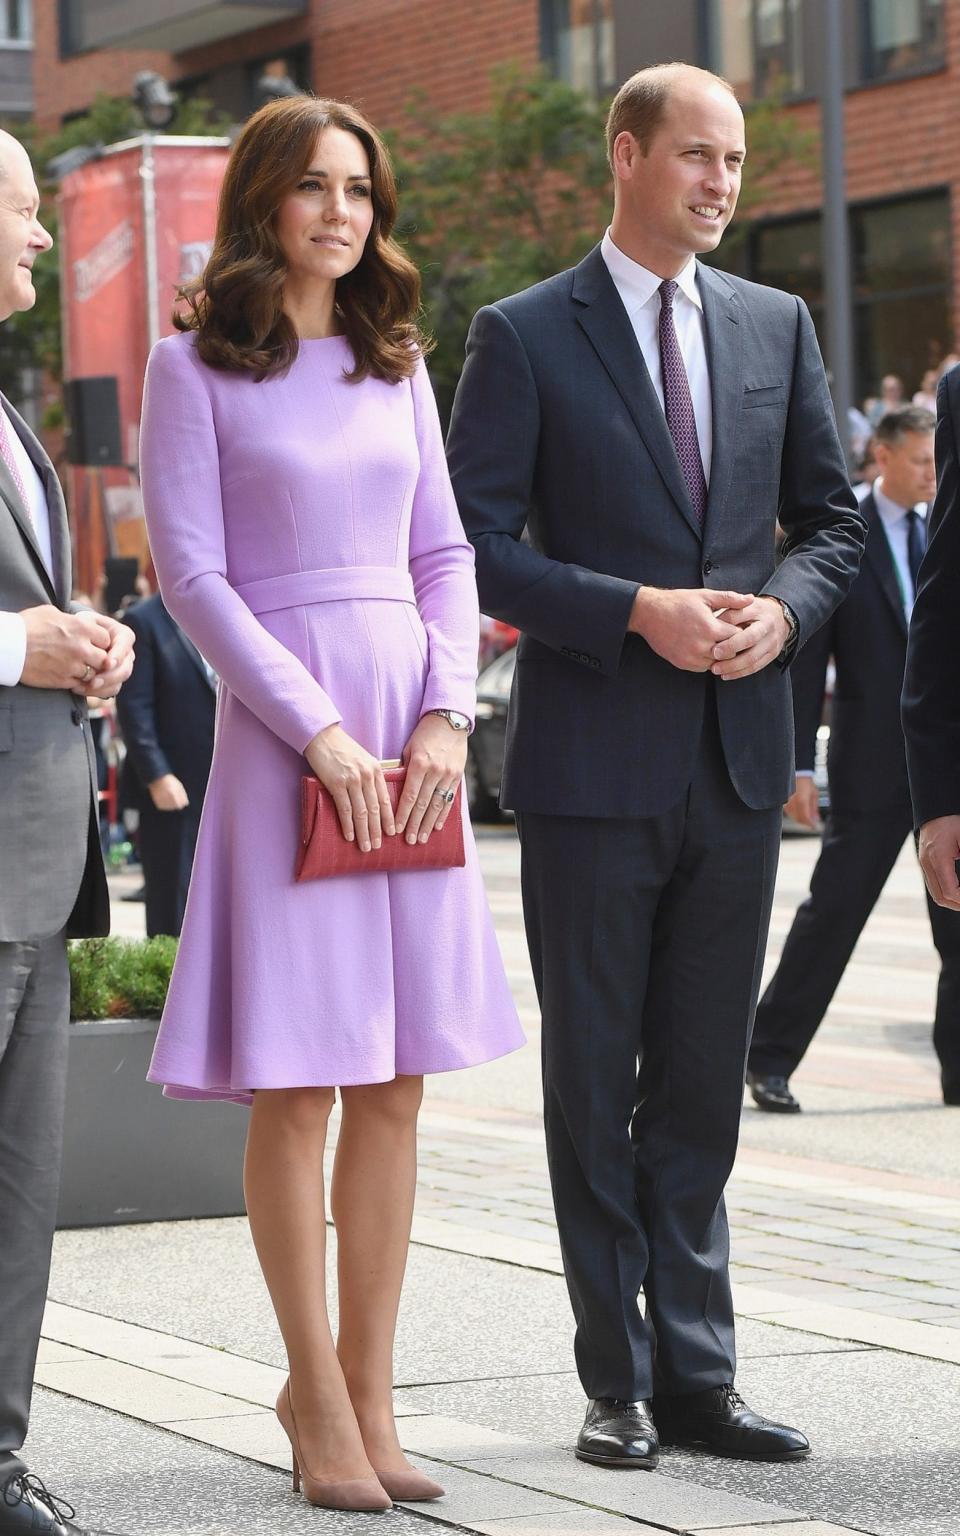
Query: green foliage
x: 493, y: 202
x: 120, y: 978
x: 33, y: 339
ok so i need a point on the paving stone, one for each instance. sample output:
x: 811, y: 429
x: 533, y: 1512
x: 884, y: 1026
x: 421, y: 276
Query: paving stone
x: 675, y: 1504
x: 790, y: 1528
x: 130, y: 1477
x: 141, y: 1394
x: 568, y: 1522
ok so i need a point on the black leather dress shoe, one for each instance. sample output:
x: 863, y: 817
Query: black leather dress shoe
x: 718, y: 1420
x: 773, y: 1094
x: 618, y: 1434
x: 951, y: 1092
x: 28, y: 1509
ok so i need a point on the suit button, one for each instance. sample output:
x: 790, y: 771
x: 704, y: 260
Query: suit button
x: 76, y: 714
x: 707, y: 567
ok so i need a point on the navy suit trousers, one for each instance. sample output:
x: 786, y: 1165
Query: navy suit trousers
x: 647, y: 939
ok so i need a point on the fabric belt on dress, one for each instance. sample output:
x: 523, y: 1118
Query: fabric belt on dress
x: 342, y: 583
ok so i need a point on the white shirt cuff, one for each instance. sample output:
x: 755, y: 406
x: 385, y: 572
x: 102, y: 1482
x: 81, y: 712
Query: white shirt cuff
x: 804, y: 773
x: 13, y: 649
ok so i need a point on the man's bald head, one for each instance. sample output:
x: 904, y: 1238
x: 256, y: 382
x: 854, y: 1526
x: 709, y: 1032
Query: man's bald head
x: 641, y: 102
x: 13, y: 156
x: 22, y: 236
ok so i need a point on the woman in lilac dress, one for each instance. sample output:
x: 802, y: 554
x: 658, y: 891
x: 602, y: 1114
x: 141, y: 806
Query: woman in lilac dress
x: 306, y: 539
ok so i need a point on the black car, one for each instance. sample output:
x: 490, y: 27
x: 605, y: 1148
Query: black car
x: 485, y: 749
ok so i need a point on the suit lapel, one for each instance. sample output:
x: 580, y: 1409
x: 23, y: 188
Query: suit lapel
x: 879, y: 557
x: 601, y: 315
x: 60, y: 581
x: 721, y: 317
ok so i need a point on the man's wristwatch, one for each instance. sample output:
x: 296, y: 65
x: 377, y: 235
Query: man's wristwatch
x: 792, y: 626
x: 453, y: 717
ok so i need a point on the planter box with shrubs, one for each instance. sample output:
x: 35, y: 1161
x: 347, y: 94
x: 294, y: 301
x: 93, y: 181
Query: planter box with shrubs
x: 129, y: 1153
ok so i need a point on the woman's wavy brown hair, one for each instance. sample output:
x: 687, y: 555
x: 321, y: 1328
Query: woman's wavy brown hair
x: 236, y: 305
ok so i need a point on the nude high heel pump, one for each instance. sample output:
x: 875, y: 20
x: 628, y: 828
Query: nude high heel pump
x: 360, y: 1493
x: 410, y: 1487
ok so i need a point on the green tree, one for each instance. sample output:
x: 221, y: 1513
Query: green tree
x: 33, y: 339
x: 494, y: 201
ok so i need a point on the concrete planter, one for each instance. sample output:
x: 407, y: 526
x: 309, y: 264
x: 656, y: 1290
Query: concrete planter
x: 130, y: 1154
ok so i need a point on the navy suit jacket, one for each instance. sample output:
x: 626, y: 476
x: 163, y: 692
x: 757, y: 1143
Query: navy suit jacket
x: 867, y: 638
x: 931, y: 692
x: 166, y: 708
x: 557, y: 431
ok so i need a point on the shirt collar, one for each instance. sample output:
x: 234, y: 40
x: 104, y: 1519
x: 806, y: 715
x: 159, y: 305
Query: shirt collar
x: 890, y: 511
x: 636, y: 285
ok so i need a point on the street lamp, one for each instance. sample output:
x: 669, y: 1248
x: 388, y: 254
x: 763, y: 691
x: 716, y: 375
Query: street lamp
x: 836, y: 236
x: 154, y: 100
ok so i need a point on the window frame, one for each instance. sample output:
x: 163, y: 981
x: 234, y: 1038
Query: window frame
x: 710, y: 33
x: 25, y: 12
x: 870, y: 76
x: 863, y: 303
x: 549, y: 35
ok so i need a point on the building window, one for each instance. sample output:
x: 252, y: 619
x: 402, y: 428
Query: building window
x: 756, y: 45
x: 902, y: 263
x: 15, y: 22
x: 902, y: 37
x: 576, y: 42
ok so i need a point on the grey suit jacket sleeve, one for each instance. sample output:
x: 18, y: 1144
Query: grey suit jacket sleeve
x: 931, y: 689
x: 492, y: 454
x: 825, y: 530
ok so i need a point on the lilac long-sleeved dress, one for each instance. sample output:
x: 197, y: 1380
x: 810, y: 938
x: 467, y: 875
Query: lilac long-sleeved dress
x: 307, y: 540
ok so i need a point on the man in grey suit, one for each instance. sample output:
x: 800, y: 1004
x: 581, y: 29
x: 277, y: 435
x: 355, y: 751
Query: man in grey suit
x: 647, y: 420
x: 52, y: 881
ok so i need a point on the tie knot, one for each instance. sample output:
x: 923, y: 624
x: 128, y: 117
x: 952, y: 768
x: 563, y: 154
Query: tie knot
x: 667, y: 290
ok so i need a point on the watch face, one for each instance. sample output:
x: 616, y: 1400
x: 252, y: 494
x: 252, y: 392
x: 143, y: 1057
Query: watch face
x: 458, y: 721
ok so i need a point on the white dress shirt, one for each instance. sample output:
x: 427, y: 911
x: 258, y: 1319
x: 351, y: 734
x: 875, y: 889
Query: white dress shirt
x: 13, y: 633
x: 894, y: 520
x: 639, y: 291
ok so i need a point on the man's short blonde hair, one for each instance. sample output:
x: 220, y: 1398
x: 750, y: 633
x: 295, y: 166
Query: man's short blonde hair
x: 641, y: 101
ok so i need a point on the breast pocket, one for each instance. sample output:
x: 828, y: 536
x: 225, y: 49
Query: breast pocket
x: 755, y: 395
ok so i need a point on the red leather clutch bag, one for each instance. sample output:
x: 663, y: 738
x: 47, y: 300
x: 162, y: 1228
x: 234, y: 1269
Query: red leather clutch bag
x: 324, y: 850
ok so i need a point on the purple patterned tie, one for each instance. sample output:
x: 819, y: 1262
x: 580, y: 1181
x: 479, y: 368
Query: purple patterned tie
x: 678, y: 404
x: 6, y: 453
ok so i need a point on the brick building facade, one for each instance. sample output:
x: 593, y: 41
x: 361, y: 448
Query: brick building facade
x: 903, y: 128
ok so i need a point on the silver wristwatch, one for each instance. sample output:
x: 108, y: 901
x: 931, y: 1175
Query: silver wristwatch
x: 452, y: 717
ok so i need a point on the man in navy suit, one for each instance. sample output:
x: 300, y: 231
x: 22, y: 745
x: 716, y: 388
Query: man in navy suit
x: 870, y: 813
x: 646, y: 419
x: 931, y: 692
x: 166, y: 712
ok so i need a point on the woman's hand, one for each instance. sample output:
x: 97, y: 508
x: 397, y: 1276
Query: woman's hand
x: 356, y: 782
x: 434, y: 757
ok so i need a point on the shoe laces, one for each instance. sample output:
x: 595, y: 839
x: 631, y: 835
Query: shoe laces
x: 25, y: 1488
x: 731, y: 1397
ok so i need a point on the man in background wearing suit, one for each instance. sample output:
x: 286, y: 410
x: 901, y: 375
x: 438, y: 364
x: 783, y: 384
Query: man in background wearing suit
x: 870, y: 814
x: 52, y: 882
x: 931, y: 691
x: 645, y: 418
x: 166, y: 711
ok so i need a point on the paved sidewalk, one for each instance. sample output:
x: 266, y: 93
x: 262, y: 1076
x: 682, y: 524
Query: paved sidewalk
x: 846, y: 1244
